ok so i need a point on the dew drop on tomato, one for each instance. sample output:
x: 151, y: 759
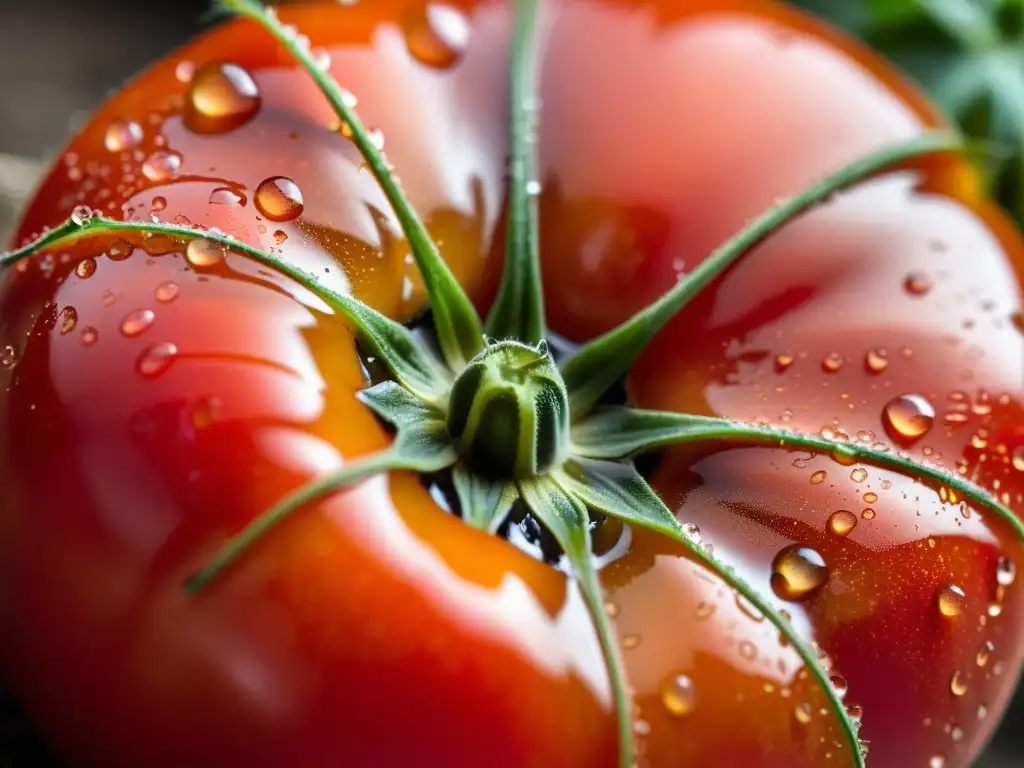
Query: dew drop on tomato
x: 184, y: 71
x: 158, y: 204
x: 280, y: 237
x: 937, y: 761
x: 855, y: 712
x: 86, y: 268
x: 1018, y: 458
x: 678, y: 695
x: 1006, y: 571
x: 817, y: 478
x: 157, y: 359
x: 122, y: 135
x: 8, y: 357
x: 984, y: 653
x: 161, y: 165
x: 839, y: 685
x: 68, y: 320
x: 868, y: 514
x: 782, y: 361
x: 832, y: 362
x: 227, y: 196
x: 957, y: 684
x: 842, y: 522
x: 202, y: 252
x: 859, y: 475
x: 90, y: 336
x: 167, y: 292
x: 81, y: 214
x: 137, y: 322
x: 221, y: 97
x: 279, y: 199
x: 438, y: 35
x: 917, y: 283
x: 748, y: 651
x: 908, y: 418
x: 950, y: 600
x: 875, y: 361
x: 798, y: 572
x: 802, y: 713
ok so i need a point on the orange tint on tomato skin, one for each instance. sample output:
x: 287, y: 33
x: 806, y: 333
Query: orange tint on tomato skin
x: 376, y: 627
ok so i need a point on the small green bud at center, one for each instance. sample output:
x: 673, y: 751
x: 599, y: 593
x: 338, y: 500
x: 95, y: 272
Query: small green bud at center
x: 509, y: 412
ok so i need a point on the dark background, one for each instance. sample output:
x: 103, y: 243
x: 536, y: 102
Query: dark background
x: 58, y: 58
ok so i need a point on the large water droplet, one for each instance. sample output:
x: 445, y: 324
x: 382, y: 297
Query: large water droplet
x: 157, y: 359
x: 161, y: 165
x: 122, y: 135
x: 438, y: 36
x: 841, y: 522
x: 279, y: 199
x: 798, y: 572
x: 137, y: 322
x: 951, y: 600
x: 908, y: 418
x: 202, y: 252
x: 678, y: 695
x: 221, y: 97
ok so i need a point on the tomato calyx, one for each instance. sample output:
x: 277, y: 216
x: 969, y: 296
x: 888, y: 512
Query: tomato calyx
x: 498, y: 412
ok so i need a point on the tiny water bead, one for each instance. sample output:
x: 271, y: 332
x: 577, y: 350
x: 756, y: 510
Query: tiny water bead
x: 842, y: 522
x: 937, y: 761
x: 202, y: 252
x: 221, y: 97
x: 438, y: 35
x: 868, y: 514
x: 279, y: 199
x: 157, y: 359
x: 802, y: 713
x: 167, y: 292
x: 86, y: 268
x: 957, y: 684
x: 783, y: 361
x: 951, y: 600
x: 876, y: 361
x: 1006, y: 571
x: 832, y: 362
x: 137, y: 322
x: 1018, y: 458
x: 917, y: 283
x: 161, y: 165
x: 90, y: 336
x: 908, y: 418
x: 797, y: 573
x: 678, y: 695
x: 122, y: 135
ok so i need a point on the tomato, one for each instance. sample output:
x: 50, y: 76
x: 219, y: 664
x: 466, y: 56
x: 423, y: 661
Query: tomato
x: 155, y: 401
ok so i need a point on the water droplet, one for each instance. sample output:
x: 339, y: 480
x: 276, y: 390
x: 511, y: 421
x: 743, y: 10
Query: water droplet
x: 167, y: 292
x: 86, y: 268
x: 748, y: 650
x: 818, y: 477
x: 68, y: 320
x: 376, y: 137
x: 876, y: 361
x: 797, y: 573
x: 184, y: 71
x: 995, y: 609
x: 957, y: 733
x: 81, y: 214
x: 157, y: 359
x: 438, y: 36
x: 957, y: 684
x: 839, y: 685
x: 950, y: 599
x: 982, y: 711
x: 122, y: 135
x: 984, y: 653
x: 855, y: 711
x: 221, y: 97
x: 1006, y: 571
x: 8, y: 357
x: 842, y: 522
x: 678, y: 695
x: 137, y: 322
x: 832, y: 362
x: 908, y: 418
x: 161, y: 165
x: 612, y: 609
x: 692, y: 532
x: 158, y: 204
x: 629, y: 642
x: 1018, y: 458
x: 705, y: 610
x: 859, y: 475
x: 280, y: 237
x: 917, y: 283
x: 937, y: 761
x: 202, y: 252
x: 783, y: 361
x: 90, y: 336
x: 870, y: 497
x: 802, y: 713
x: 868, y: 514
x: 279, y: 199
x: 119, y: 250
x: 227, y: 196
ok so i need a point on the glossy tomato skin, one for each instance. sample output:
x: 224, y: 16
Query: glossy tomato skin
x: 375, y: 629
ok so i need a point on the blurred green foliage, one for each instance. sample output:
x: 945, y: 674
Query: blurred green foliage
x: 969, y: 55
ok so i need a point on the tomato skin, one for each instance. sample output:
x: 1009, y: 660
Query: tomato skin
x: 376, y: 630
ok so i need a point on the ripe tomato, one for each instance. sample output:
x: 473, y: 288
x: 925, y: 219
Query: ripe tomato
x: 156, y: 401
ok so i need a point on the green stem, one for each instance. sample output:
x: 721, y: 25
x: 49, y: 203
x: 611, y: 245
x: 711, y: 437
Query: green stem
x: 518, y: 312
x: 965, y: 22
x: 455, y: 319
x: 391, y: 342
x: 617, y: 433
x: 606, y: 359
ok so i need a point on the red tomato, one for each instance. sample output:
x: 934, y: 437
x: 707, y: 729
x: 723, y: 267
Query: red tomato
x: 157, y: 401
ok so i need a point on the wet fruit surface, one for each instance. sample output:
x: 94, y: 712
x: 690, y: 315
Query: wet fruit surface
x: 159, y: 398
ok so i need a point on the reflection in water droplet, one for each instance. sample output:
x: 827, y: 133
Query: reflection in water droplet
x: 204, y: 253
x: 86, y: 268
x: 137, y: 322
x: 81, y: 214
x: 841, y: 522
x: 122, y: 135
x: 166, y: 292
x: 68, y: 320
x: 438, y: 36
x: 678, y: 695
x: 917, y: 283
x: 90, y: 336
x: 798, y: 572
x: 1006, y: 571
x: 957, y: 684
x: 951, y: 600
x: 161, y: 165
x: 876, y: 361
x: 157, y: 359
x: 279, y: 199
x: 227, y: 196
x: 908, y: 418
x: 221, y: 97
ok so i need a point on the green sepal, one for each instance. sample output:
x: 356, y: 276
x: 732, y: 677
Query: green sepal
x: 391, y: 342
x: 568, y: 521
x: 421, y: 447
x: 619, y: 491
x: 621, y: 432
x: 485, y: 503
x: 605, y: 360
x: 455, y: 319
x: 518, y: 311
x: 397, y: 405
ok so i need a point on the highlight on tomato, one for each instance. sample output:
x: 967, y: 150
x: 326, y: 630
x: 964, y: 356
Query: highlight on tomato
x: 583, y: 383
